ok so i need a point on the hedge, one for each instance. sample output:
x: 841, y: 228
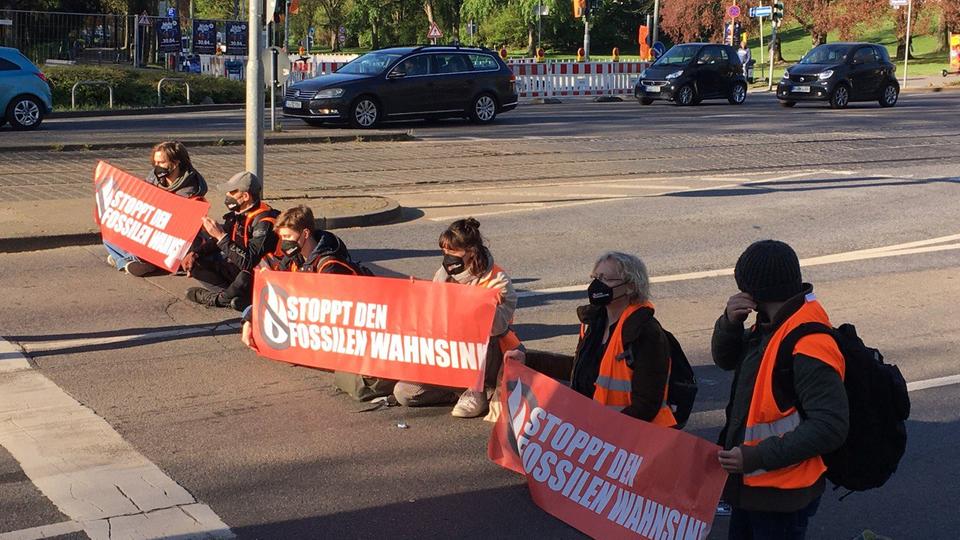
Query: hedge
x: 135, y: 88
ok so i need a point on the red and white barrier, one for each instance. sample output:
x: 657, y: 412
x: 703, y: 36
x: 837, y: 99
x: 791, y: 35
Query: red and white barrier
x: 560, y: 79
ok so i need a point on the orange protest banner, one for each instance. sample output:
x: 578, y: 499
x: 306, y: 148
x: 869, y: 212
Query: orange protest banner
x: 140, y: 218
x: 605, y: 473
x: 418, y: 331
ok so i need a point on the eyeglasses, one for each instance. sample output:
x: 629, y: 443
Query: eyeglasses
x: 609, y: 280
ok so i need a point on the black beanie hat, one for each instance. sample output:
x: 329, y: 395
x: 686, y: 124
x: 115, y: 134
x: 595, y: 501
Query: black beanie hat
x: 769, y: 271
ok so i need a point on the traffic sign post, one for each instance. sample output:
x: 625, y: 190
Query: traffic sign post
x: 658, y: 49
x: 434, y: 33
x: 761, y: 11
x: 906, y: 52
x: 733, y: 11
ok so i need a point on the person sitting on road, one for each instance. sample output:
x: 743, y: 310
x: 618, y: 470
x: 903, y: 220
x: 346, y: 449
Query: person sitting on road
x: 468, y: 262
x: 304, y: 247
x: 172, y: 171
x: 623, y: 357
x: 223, y: 262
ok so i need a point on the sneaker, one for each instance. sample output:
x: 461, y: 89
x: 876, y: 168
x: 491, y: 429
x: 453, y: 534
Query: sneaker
x: 203, y: 296
x: 470, y: 405
x: 111, y: 261
x: 138, y: 268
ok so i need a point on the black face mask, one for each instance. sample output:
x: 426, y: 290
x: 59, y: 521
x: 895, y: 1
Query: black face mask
x: 291, y: 248
x: 599, y: 293
x: 161, y: 172
x: 453, y: 265
x: 232, y: 204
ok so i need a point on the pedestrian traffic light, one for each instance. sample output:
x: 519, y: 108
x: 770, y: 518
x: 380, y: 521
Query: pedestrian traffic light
x: 777, y: 12
x: 581, y: 8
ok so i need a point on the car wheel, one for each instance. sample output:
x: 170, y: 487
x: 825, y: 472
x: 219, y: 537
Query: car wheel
x: 365, y: 113
x: 645, y: 101
x: 840, y: 98
x: 787, y: 104
x: 484, y: 109
x: 315, y: 122
x: 738, y: 94
x: 685, y: 96
x: 889, y: 95
x: 25, y: 113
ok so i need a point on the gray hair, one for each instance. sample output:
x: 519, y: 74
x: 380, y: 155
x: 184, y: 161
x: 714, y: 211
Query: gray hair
x: 634, y: 272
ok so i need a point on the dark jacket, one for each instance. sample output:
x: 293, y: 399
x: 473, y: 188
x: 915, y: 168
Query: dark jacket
x: 648, y: 354
x: 328, y: 245
x: 820, y: 393
x: 190, y: 184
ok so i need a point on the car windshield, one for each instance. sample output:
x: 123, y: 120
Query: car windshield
x: 679, y: 55
x: 827, y: 54
x: 370, y: 64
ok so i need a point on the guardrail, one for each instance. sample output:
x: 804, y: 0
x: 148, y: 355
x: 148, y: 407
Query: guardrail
x: 73, y: 91
x: 171, y: 79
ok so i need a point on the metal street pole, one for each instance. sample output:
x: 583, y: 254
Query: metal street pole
x: 773, y: 43
x: 273, y: 87
x: 254, y: 105
x: 539, y: 14
x: 286, y: 26
x: 656, y: 22
x: 906, y: 53
x: 586, y: 38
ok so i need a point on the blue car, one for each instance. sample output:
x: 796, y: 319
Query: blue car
x: 25, y: 96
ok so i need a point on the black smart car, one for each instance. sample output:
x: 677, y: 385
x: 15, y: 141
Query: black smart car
x: 690, y: 73
x: 407, y: 82
x: 839, y: 73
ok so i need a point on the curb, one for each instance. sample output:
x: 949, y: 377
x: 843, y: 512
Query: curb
x: 172, y: 109
x: 391, y: 213
x: 268, y: 140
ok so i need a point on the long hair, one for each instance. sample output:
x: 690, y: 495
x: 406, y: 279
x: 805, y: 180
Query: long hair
x: 174, y: 151
x: 464, y: 234
x: 634, y: 272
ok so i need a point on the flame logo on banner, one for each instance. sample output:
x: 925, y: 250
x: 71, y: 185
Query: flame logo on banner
x: 104, y: 194
x: 520, y: 402
x: 274, y: 326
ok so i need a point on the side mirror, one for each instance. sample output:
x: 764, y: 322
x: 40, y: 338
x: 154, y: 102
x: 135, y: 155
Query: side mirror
x: 397, y: 74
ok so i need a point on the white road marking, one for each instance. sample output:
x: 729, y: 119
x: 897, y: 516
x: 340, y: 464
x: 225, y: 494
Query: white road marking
x: 933, y: 383
x: 44, y: 531
x: 86, y: 469
x: 895, y: 250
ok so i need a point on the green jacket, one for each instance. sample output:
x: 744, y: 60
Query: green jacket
x: 819, y: 390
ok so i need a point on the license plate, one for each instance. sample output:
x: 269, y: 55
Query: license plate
x: 802, y: 89
x: 293, y: 105
x: 652, y: 89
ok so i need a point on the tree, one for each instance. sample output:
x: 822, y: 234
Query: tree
x: 693, y: 20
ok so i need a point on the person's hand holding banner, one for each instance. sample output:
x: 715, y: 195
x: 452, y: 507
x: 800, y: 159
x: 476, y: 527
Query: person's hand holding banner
x: 418, y: 331
x: 153, y: 224
x: 601, y: 471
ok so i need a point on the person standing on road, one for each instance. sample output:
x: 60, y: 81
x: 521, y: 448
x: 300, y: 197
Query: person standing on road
x: 304, y: 247
x: 745, y: 56
x: 172, y: 171
x: 623, y: 356
x: 467, y: 261
x: 224, y: 262
x: 771, y: 450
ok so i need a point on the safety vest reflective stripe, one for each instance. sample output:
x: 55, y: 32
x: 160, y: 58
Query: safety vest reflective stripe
x: 616, y: 385
x: 777, y: 428
x: 248, y: 220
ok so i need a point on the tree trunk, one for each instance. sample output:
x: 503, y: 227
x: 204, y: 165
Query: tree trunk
x: 942, y: 35
x: 334, y: 42
x: 531, y: 41
x: 777, y: 52
x: 375, y: 32
x: 818, y: 38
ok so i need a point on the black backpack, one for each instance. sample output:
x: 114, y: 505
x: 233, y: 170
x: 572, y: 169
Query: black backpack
x: 682, y: 386
x: 878, y: 401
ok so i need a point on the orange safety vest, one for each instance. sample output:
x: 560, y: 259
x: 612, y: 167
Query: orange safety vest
x: 508, y: 341
x: 616, y: 377
x: 249, y: 222
x: 765, y: 419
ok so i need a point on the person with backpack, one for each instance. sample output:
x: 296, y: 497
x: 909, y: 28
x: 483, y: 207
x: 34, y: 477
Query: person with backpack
x: 304, y: 247
x: 467, y: 261
x: 776, y: 434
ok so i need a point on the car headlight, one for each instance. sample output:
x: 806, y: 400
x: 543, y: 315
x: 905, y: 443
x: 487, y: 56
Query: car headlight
x: 329, y: 93
x: 675, y: 74
x: 824, y: 75
x: 786, y: 75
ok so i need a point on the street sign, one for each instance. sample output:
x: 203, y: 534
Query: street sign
x: 541, y: 10
x: 899, y: 3
x: 733, y: 11
x: 283, y: 65
x: 172, y: 13
x: 434, y: 32
x: 342, y: 36
x: 143, y: 21
x: 658, y: 49
x: 6, y: 22
x: 762, y: 11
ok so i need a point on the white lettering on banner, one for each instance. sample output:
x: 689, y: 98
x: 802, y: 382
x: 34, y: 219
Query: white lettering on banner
x: 596, y: 474
x: 129, y: 216
x: 352, y: 328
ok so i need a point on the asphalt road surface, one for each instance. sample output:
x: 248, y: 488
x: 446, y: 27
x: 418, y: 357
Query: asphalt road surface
x: 274, y: 453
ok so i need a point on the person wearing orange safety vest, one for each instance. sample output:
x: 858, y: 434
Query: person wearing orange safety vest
x: 773, y: 443
x: 622, y: 360
x: 224, y: 263
x: 467, y: 261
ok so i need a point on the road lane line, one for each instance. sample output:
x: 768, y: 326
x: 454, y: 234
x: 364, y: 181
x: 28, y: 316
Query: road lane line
x: 85, y: 468
x: 916, y: 386
x: 896, y: 250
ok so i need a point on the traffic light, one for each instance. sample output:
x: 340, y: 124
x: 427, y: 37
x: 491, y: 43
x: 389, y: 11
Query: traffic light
x: 581, y: 8
x: 777, y: 12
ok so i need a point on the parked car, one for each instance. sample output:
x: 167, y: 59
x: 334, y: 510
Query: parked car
x: 839, y: 73
x: 407, y: 82
x: 692, y: 72
x: 25, y: 96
